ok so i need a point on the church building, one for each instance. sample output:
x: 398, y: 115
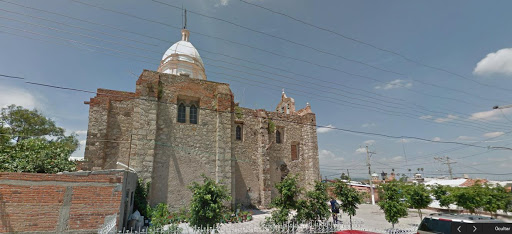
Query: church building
x: 178, y: 125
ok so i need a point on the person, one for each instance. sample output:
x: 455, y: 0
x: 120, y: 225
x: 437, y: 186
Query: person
x: 335, y: 208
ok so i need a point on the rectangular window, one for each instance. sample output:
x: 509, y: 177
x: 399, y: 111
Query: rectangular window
x: 193, y: 114
x: 238, y: 132
x: 295, y: 151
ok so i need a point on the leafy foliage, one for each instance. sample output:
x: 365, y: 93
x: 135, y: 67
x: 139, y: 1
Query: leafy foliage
x: 496, y: 199
x: 140, y: 198
x: 315, y: 206
x: 443, y: 195
x: 159, y: 215
x: 271, y: 126
x: 26, y: 148
x: 349, y: 198
x: 391, y: 203
x: 239, y: 112
x: 470, y: 198
x: 287, y: 200
x: 207, y: 203
x: 418, y: 197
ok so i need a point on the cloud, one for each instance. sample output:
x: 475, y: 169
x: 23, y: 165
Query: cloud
x: 361, y: 151
x: 499, y: 63
x: 466, y: 138
x: 327, y: 157
x: 426, y: 117
x: 368, y: 125
x: 489, y: 115
x: 81, y: 132
x: 17, y: 96
x: 395, y: 85
x: 493, y: 134
x: 369, y: 142
x: 397, y: 158
x: 447, y: 119
x: 222, y: 3
x: 325, y: 129
x: 404, y: 141
x: 436, y: 139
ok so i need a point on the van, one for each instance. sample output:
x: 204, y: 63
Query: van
x: 462, y: 224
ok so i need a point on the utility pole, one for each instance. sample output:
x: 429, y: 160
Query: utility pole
x: 348, y: 174
x: 368, y: 155
x: 446, y: 160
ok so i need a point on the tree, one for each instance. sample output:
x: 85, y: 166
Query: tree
x: 344, y: 176
x: 140, y: 198
x: 315, y: 206
x: 495, y: 199
x: 288, y: 190
x: 443, y: 195
x: 33, y: 143
x: 23, y: 123
x: 418, y: 197
x: 349, y: 198
x: 207, y: 203
x: 470, y: 198
x: 391, y: 202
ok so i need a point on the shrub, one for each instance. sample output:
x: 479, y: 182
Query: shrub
x: 207, y: 203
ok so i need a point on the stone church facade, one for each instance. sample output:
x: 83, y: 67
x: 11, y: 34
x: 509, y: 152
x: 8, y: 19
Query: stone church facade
x: 177, y: 126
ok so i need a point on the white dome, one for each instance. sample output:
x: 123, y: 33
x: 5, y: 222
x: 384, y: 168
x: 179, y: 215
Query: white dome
x: 184, y: 48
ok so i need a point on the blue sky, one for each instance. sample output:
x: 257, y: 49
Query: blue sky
x: 467, y: 38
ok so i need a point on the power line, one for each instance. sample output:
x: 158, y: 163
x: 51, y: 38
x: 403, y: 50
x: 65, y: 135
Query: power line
x: 295, y: 122
x: 376, y: 47
x: 270, y: 52
x: 356, y: 105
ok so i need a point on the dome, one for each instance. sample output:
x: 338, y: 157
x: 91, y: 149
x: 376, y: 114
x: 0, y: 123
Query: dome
x: 184, y: 48
x: 182, y: 58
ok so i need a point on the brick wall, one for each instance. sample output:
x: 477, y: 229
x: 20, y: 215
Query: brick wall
x: 57, y: 203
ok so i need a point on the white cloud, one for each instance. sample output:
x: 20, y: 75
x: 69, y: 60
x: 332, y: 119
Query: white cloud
x: 499, y: 63
x: 397, y: 158
x: 325, y: 129
x: 466, y: 138
x: 222, y: 3
x: 404, y: 140
x: 493, y: 134
x: 368, y: 125
x: 17, y: 96
x: 361, y: 151
x: 395, y: 84
x: 436, y: 139
x: 490, y: 115
x: 81, y: 132
x: 447, y: 119
x: 369, y: 142
x: 426, y: 117
x: 328, y: 158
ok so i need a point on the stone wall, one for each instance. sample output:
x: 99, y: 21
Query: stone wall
x: 59, y: 203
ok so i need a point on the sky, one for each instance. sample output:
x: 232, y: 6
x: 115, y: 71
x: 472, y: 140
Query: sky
x: 425, y: 69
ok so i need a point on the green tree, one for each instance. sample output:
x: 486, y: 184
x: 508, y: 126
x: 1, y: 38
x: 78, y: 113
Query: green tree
x: 31, y: 142
x: 391, y: 202
x: 315, y: 206
x: 159, y: 215
x: 286, y: 201
x: 207, y: 203
x: 141, y: 197
x: 496, y: 198
x: 344, y: 176
x: 23, y: 123
x: 418, y: 197
x: 470, y: 198
x: 349, y: 198
x: 443, y: 195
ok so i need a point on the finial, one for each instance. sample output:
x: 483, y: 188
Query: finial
x: 283, y: 91
x: 307, y: 103
x: 184, y: 18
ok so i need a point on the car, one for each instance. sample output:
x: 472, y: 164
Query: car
x: 461, y: 224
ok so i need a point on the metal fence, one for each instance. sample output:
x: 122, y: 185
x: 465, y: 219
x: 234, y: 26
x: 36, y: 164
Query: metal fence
x: 288, y: 228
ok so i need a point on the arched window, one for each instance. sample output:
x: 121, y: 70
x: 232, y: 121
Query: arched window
x: 238, y: 132
x: 278, y: 137
x: 181, y: 113
x: 193, y: 114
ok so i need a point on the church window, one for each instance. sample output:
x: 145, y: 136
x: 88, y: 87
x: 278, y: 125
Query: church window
x: 193, y: 114
x: 295, y: 151
x: 181, y: 113
x: 278, y: 137
x: 238, y: 132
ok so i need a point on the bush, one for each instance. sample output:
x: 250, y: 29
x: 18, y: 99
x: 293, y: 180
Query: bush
x: 140, y: 198
x: 207, y: 203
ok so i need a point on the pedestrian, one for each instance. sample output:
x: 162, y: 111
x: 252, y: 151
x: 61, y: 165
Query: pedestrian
x: 335, y: 209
